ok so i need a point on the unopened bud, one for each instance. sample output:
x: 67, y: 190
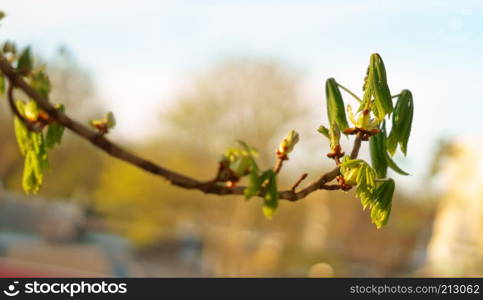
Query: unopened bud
x: 31, y: 111
x: 288, y: 143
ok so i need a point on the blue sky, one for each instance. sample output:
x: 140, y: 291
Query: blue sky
x: 145, y: 51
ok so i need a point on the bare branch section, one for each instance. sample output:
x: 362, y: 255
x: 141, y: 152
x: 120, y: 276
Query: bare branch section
x: 100, y: 141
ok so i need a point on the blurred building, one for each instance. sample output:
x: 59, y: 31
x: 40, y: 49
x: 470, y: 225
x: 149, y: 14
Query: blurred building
x: 456, y: 246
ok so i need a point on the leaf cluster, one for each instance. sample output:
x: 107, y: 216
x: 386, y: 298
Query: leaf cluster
x: 33, y: 145
x: 376, y: 108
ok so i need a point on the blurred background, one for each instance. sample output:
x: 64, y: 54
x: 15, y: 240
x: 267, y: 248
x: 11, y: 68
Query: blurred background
x: 185, y: 80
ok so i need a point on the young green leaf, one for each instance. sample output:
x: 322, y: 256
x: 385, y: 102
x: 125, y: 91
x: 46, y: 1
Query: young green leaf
x: 22, y: 135
x: 324, y: 131
x: 379, y: 157
x: 377, y: 148
x: 25, y: 62
x: 401, y: 123
x: 105, y: 124
x: 30, y: 181
x: 33, y: 147
x: 335, y: 104
x: 254, y: 183
x: 54, y: 135
x: 270, y: 202
x: 391, y: 164
x: 381, y: 208
x: 35, y: 162
x: 41, y: 83
x: 382, y: 94
x: 406, y: 125
x: 55, y: 132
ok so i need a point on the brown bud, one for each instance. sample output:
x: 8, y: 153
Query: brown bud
x: 374, y: 131
x: 351, y: 131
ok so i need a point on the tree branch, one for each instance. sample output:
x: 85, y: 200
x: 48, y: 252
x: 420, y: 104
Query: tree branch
x: 100, y: 141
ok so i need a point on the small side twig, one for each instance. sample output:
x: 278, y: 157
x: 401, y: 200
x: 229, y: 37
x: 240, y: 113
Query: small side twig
x: 299, y: 181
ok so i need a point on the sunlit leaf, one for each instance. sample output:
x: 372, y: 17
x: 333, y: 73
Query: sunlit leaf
x: 335, y: 104
x: 381, y: 208
x: 22, y: 135
x: 382, y: 94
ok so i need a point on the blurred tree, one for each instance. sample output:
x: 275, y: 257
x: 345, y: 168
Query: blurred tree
x: 238, y: 99
x: 243, y: 99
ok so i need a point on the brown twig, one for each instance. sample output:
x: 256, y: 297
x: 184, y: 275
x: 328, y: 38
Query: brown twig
x: 357, y: 145
x: 299, y: 181
x: 279, y: 164
x: 100, y: 141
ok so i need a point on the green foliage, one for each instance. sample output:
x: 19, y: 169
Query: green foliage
x: 270, y: 202
x: 32, y: 146
x: 379, y: 156
x: 335, y: 105
x: 373, y: 194
x: 382, y: 95
x: 373, y: 188
x: 25, y: 62
x: 254, y: 184
x: 55, y: 131
x: 381, y: 206
x: 377, y: 149
x: 377, y: 95
x: 401, y: 123
x: 40, y: 82
x: 241, y: 162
